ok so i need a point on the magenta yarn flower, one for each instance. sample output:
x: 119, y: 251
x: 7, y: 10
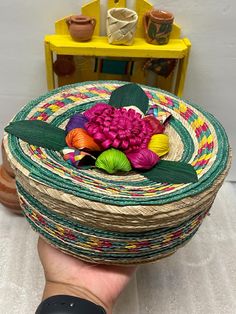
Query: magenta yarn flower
x: 119, y: 128
x: 96, y: 110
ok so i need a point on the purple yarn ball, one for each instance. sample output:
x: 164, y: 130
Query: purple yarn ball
x: 76, y: 121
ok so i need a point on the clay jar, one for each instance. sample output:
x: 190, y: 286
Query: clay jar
x: 81, y: 27
x: 8, y: 192
x: 158, y: 26
x: 64, y: 65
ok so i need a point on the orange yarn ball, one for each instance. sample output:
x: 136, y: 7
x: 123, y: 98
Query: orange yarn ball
x: 80, y: 139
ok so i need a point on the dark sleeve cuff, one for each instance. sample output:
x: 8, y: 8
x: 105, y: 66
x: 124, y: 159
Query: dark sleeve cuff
x: 63, y: 304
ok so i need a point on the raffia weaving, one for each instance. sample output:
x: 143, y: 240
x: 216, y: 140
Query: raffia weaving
x: 117, y: 219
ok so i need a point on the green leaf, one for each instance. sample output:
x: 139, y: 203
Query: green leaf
x: 152, y: 30
x: 169, y: 28
x: 163, y: 28
x: 172, y: 172
x: 38, y: 133
x: 129, y: 95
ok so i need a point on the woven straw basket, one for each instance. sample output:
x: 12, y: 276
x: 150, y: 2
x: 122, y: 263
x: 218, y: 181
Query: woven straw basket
x: 121, y: 26
x: 114, y: 219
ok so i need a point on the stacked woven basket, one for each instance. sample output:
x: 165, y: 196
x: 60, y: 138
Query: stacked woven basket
x: 117, y: 219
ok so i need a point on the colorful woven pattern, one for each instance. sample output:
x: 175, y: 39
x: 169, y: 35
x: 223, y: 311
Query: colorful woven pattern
x: 133, y: 219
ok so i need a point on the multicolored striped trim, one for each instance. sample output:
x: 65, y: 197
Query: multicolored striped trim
x: 205, y: 142
x: 97, y: 245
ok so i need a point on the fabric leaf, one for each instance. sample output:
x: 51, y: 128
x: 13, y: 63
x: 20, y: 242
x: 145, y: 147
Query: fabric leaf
x: 171, y: 172
x: 129, y: 95
x: 38, y: 133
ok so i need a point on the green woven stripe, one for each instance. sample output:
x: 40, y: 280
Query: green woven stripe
x: 62, y: 182
x: 109, y: 257
x: 205, y: 182
x: 70, y: 245
x: 57, y: 218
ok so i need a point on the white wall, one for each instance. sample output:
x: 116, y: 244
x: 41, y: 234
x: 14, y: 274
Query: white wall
x: 209, y: 24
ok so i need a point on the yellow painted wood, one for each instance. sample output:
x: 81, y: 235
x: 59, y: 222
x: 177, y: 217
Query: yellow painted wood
x: 182, y: 70
x: 61, y: 27
x: 116, y: 4
x: 49, y: 66
x: 142, y: 6
x: 92, y: 9
x: 99, y: 46
x: 176, y: 31
x: 62, y: 43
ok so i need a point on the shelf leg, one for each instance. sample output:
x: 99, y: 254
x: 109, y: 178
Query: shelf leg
x: 182, y: 70
x: 49, y: 66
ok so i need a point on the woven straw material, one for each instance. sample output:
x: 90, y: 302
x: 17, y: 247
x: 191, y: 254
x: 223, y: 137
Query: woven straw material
x: 123, y: 219
x: 121, y: 26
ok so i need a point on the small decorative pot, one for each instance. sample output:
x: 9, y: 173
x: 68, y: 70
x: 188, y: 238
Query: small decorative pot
x: 6, y: 164
x: 121, y: 26
x: 64, y: 65
x: 81, y: 27
x: 8, y: 192
x: 158, y: 26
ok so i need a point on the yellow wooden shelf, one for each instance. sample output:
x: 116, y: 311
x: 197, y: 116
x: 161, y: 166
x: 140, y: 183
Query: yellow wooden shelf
x: 61, y: 43
x: 99, y: 46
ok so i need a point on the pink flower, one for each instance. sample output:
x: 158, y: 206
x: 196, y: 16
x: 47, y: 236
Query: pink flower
x: 119, y: 128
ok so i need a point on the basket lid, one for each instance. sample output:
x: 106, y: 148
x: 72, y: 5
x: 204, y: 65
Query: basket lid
x: 195, y: 136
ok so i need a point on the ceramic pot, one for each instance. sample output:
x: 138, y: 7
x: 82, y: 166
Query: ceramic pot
x: 81, y: 27
x: 8, y: 192
x: 64, y: 65
x: 158, y: 26
x: 121, y: 26
x: 5, y: 163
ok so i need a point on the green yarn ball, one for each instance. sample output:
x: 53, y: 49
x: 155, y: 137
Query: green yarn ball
x: 112, y: 161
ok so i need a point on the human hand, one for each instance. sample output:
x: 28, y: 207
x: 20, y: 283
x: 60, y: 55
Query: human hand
x: 64, y: 274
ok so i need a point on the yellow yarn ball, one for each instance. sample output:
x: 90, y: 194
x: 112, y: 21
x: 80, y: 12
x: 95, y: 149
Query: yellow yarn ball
x: 159, y: 144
